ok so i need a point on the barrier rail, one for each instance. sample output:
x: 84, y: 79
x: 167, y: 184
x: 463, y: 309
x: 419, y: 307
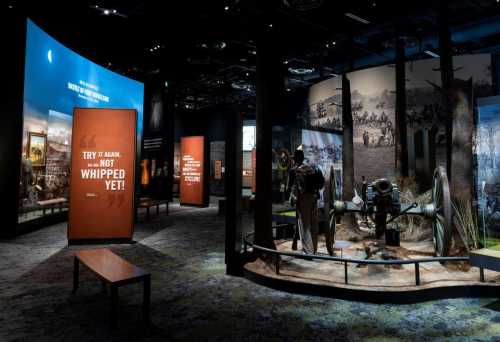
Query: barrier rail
x: 347, y: 261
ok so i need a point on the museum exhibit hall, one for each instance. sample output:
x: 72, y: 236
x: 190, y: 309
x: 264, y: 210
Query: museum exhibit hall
x: 250, y: 170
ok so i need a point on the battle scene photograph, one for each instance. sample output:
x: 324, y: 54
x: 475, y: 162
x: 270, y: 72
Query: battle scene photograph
x: 373, y: 105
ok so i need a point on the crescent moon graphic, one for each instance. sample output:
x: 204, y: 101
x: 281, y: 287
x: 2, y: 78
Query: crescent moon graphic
x: 49, y: 56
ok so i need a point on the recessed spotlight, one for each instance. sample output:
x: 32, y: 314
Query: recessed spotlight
x: 226, y: 8
x: 106, y: 12
x: 285, y: 62
x: 288, y: 89
x: 247, y: 74
x: 270, y: 25
x: 334, y: 43
x: 114, y: 11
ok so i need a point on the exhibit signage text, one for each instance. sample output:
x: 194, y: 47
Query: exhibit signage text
x: 97, y: 168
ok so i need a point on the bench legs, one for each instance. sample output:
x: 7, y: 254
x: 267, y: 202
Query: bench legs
x: 146, y: 302
x: 76, y: 273
x: 114, y: 305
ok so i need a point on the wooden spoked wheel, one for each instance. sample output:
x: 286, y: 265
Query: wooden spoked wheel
x: 442, y: 218
x: 330, y: 229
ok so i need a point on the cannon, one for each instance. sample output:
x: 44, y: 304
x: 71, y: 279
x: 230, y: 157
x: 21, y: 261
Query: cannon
x: 381, y: 202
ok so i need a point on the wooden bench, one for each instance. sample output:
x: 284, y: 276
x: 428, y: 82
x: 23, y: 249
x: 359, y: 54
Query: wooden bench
x: 52, y: 204
x: 148, y: 203
x: 485, y: 258
x: 116, y: 272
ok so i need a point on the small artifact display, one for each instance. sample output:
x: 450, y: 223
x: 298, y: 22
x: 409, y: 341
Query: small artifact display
x: 382, y: 203
x: 37, y: 148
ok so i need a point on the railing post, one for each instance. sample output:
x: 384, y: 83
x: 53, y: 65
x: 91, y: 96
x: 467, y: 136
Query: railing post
x: 417, y: 273
x: 481, y: 274
x: 345, y: 271
x: 277, y: 264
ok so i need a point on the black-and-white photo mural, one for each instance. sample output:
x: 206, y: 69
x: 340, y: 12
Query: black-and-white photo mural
x: 373, y: 101
x: 324, y: 105
x: 424, y: 98
x: 487, y: 151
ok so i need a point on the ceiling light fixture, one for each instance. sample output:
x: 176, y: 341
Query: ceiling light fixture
x: 432, y: 54
x: 301, y: 71
x: 357, y: 18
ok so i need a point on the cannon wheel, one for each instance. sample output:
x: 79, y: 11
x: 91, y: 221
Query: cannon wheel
x: 330, y: 229
x: 441, y: 221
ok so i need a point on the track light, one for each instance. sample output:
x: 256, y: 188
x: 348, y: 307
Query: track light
x: 357, y: 18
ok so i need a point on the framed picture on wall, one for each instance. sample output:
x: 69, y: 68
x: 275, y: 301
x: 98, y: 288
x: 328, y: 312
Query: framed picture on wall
x: 37, y: 148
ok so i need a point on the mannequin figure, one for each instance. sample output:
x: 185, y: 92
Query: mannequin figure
x: 306, y: 181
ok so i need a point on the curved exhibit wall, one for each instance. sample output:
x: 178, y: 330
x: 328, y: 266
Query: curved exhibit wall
x: 56, y: 81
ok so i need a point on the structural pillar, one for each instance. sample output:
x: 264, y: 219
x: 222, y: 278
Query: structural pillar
x: 233, y: 187
x: 269, y: 87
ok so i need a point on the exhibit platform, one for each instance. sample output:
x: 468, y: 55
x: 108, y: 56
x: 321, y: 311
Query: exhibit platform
x: 372, y: 282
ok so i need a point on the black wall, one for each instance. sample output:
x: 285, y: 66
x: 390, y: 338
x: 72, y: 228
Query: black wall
x: 209, y: 122
x: 160, y: 187
x: 13, y: 33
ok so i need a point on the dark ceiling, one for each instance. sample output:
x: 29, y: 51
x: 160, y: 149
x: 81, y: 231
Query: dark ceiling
x: 206, y: 50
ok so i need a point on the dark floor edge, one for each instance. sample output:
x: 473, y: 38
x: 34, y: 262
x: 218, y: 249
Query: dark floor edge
x: 379, y: 297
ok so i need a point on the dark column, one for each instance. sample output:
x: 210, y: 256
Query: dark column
x: 233, y: 186
x: 13, y: 31
x: 269, y: 84
x: 401, y: 132
x: 446, y: 64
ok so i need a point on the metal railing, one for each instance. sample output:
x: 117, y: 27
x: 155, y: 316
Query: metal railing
x: 347, y: 261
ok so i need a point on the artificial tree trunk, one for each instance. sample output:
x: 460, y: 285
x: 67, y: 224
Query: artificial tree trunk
x: 461, y: 157
x: 347, y: 150
x: 446, y: 65
x: 401, y: 129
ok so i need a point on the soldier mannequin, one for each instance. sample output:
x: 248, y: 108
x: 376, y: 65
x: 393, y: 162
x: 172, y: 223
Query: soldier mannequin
x: 306, y: 206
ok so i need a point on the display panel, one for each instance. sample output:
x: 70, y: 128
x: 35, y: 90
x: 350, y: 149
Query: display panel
x: 192, y: 186
x: 102, y: 174
x: 323, y: 150
x: 488, y: 169
x: 56, y: 81
x: 249, y: 134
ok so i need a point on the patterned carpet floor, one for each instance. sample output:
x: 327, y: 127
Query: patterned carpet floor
x: 193, y: 299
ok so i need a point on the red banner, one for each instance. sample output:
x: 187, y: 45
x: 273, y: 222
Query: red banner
x: 102, y: 174
x: 192, y: 170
